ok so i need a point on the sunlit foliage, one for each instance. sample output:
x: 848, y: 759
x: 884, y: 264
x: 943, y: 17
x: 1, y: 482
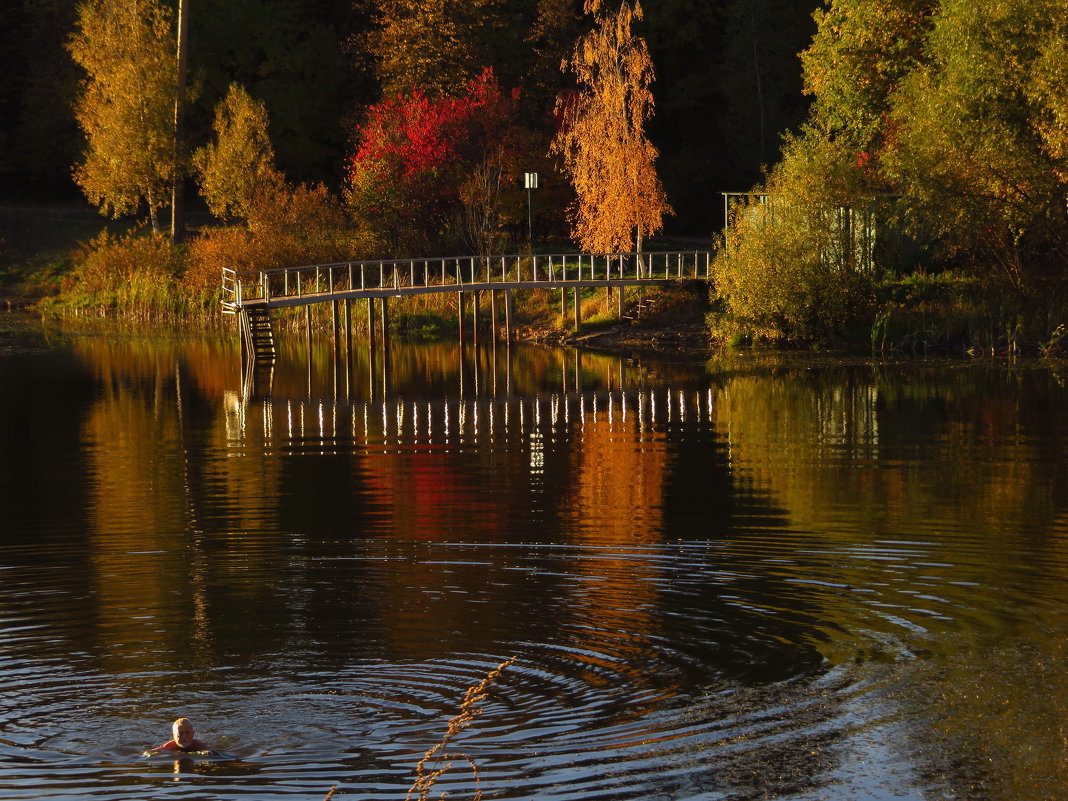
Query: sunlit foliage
x: 134, y: 274
x: 861, y: 52
x: 432, y: 46
x: 951, y: 119
x: 232, y: 167
x: 792, y: 268
x: 423, y: 163
x: 978, y: 136
x: 288, y: 224
x: 126, y: 106
x: 609, y: 159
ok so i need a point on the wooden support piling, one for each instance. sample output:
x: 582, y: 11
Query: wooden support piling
x: 474, y: 318
x: 508, y: 315
x: 371, y: 323
x: 348, y: 328
x: 290, y: 287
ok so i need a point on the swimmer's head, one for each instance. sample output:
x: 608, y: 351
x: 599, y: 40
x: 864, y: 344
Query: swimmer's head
x: 183, y: 732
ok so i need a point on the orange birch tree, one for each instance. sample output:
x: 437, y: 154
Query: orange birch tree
x: 611, y: 163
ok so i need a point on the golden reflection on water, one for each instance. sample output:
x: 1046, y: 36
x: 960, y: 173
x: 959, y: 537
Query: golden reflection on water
x: 926, y: 485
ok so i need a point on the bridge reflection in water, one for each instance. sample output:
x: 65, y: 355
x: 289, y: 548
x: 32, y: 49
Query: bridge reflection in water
x: 336, y: 424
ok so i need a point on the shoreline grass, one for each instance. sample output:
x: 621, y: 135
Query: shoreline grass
x: 49, y: 267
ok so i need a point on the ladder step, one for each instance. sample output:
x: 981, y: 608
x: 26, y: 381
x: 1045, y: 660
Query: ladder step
x: 259, y: 333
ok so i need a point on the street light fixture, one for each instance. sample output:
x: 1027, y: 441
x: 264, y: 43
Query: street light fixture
x: 530, y: 181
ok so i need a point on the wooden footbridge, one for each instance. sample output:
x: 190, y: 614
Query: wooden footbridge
x: 252, y: 295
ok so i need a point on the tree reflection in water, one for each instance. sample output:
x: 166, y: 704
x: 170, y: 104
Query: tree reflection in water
x: 756, y: 575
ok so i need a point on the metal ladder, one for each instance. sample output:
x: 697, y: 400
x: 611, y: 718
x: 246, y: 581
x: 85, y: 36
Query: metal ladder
x: 257, y: 333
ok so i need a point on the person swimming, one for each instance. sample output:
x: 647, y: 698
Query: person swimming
x: 184, y: 741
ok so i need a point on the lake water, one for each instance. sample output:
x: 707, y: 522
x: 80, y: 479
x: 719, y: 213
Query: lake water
x: 759, y: 576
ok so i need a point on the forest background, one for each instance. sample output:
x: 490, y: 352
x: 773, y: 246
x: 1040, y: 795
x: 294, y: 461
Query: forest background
x: 946, y: 124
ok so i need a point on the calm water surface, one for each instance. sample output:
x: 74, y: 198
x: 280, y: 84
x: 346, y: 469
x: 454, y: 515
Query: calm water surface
x: 757, y: 577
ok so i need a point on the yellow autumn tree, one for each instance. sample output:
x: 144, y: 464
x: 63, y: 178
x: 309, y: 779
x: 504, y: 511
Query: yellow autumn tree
x: 432, y: 46
x: 240, y: 159
x: 606, y: 154
x: 126, y: 105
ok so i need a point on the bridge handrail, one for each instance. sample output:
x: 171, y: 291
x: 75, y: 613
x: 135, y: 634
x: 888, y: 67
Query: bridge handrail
x: 495, y: 258
x: 458, y: 271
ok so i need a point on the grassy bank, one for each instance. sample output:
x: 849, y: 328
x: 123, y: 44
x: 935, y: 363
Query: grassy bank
x: 39, y: 245
x: 71, y: 263
x: 953, y: 313
x: 947, y: 313
x: 67, y: 261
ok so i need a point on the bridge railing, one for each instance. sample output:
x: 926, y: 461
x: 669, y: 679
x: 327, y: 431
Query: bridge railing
x: 460, y: 273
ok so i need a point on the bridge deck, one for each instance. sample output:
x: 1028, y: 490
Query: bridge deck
x: 311, y: 284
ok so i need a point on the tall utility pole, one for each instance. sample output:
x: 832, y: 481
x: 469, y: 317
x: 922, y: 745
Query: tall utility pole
x: 178, y: 187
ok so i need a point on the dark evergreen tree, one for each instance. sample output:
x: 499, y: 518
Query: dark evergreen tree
x: 39, y: 139
x: 290, y: 54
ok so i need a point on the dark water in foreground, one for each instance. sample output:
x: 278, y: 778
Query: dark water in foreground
x: 760, y: 577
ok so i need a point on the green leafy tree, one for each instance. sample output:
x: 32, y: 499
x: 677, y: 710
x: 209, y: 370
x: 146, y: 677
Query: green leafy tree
x: 798, y: 264
x: 979, y: 134
x: 39, y: 138
x: 797, y: 260
x: 126, y: 106
x: 860, y: 54
x: 606, y: 154
x: 232, y: 167
x: 956, y: 109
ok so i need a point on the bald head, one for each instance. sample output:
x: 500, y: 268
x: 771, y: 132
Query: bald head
x: 183, y: 732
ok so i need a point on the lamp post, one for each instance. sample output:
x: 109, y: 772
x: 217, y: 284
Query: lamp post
x: 530, y: 181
